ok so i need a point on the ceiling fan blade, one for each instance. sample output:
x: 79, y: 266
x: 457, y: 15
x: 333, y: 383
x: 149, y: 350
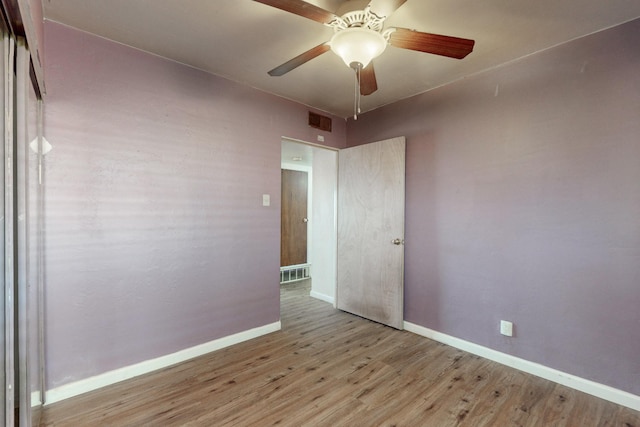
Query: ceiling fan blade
x: 368, y: 83
x: 300, y: 59
x: 385, y: 7
x: 452, y: 47
x: 302, y: 8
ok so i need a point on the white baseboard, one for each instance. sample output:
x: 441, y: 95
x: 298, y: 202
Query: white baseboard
x: 587, y: 386
x: 93, y: 383
x: 35, y: 399
x: 322, y: 297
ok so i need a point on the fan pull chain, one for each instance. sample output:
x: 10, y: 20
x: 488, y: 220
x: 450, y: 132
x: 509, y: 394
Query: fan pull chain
x: 358, y: 88
x: 356, y: 101
x: 355, y: 96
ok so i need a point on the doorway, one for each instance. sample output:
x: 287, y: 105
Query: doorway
x: 293, y: 218
x: 319, y: 165
x: 294, y: 223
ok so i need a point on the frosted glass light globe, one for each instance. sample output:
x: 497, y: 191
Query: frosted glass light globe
x: 358, y: 45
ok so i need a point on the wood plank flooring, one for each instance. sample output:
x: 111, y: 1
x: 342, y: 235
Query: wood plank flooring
x: 329, y: 368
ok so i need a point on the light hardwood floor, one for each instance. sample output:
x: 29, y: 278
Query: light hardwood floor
x: 329, y: 368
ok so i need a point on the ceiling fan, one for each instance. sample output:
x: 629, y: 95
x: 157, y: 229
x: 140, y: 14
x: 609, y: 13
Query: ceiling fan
x: 359, y: 37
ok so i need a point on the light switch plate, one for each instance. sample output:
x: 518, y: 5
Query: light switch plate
x: 266, y: 200
x: 506, y: 328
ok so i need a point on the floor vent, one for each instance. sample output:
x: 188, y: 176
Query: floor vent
x: 294, y: 273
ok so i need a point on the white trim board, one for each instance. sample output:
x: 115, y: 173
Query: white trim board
x: 587, y: 386
x: 322, y: 297
x: 102, y: 380
x: 35, y: 399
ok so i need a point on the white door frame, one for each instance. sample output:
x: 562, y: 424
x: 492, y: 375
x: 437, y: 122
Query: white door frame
x: 318, y: 247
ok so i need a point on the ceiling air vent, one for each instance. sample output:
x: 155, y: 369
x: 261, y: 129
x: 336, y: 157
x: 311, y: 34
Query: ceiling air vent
x: 319, y: 122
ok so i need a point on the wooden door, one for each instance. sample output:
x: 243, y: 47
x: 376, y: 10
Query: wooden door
x: 371, y: 231
x: 293, y: 231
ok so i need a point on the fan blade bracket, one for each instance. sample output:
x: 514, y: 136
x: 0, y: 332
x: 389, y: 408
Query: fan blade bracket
x: 384, y: 8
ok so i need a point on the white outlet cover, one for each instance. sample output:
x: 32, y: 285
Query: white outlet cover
x: 506, y: 328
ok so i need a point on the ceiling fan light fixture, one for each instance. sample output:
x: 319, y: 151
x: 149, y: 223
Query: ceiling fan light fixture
x: 358, y: 45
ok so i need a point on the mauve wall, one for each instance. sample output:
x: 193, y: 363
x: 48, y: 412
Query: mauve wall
x: 157, y: 239
x: 523, y: 203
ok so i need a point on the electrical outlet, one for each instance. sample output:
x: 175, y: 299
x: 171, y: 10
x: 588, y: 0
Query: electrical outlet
x: 506, y: 328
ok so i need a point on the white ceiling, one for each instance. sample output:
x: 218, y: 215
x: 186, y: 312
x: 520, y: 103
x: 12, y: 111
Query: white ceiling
x: 242, y: 40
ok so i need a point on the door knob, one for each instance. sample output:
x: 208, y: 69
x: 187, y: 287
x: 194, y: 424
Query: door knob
x: 398, y: 241
x: 305, y: 220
